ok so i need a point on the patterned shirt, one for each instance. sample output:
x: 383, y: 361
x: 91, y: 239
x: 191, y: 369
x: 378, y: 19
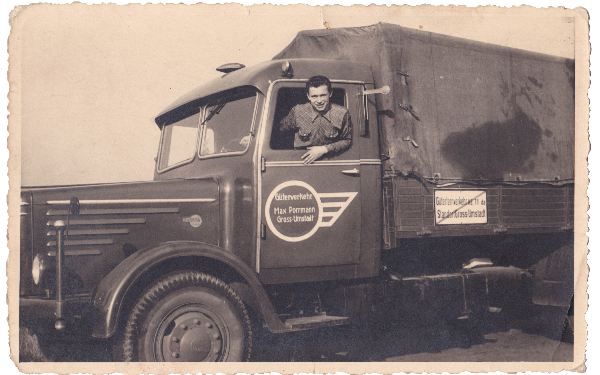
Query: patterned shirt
x: 332, y: 130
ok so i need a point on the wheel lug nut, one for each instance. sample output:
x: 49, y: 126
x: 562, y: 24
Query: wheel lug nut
x: 196, y: 321
x: 183, y: 326
x: 208, y: 325
x: 175, y: 339
x: 216, y: 336
x: 176, y: 355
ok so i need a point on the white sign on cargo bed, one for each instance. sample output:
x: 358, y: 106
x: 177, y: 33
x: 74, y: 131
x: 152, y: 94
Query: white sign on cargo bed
x: 460, y: 207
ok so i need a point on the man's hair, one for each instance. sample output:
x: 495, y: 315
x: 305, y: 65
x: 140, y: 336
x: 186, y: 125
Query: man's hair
x: 318, y: 81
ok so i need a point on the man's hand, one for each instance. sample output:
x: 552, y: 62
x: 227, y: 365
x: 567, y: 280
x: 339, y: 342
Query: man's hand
x: 245, y: 141
x: 314, y: 153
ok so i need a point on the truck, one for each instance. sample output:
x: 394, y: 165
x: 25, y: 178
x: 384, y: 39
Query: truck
x: 455, y: 197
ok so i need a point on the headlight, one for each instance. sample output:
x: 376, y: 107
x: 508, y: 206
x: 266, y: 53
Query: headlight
x: 37, y: 269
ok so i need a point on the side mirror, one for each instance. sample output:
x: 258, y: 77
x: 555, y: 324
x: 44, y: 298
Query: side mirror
x: 383, y: 90
x: 364, y: 111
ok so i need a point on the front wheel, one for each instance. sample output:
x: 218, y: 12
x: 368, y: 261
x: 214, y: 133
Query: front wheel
x: 188, y: 316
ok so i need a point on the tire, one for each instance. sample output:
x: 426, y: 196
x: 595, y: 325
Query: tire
x: 188, y: 316
x: 569, y: 325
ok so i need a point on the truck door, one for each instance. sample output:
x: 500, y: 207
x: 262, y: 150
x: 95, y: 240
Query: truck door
x: 310, y: 214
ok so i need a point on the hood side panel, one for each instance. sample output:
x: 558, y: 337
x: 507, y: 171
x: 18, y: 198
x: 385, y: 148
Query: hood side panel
x: 117, y: 220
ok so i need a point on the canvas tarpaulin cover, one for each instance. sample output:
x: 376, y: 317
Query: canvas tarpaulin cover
x: 460, y: 109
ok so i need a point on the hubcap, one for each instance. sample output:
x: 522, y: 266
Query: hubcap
x: 190, y: 334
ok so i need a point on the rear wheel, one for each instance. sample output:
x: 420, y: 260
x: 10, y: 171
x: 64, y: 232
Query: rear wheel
x: 188, y: 316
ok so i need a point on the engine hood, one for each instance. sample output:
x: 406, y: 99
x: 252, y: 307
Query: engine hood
x: 115, y: 221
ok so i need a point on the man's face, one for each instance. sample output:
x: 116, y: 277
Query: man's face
x: 319, y: 98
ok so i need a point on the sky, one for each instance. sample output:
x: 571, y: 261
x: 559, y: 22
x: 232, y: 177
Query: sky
x: 94, y: 77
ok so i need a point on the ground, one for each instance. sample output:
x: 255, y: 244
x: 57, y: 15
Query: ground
x: 535, y: 336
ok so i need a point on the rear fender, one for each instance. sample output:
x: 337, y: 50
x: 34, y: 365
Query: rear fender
x: 108, y: 299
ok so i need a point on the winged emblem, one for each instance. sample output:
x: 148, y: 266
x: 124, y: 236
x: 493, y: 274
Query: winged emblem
x: 333, y: 205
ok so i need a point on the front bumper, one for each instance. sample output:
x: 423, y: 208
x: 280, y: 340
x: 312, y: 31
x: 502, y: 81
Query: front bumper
x: 41, y: 312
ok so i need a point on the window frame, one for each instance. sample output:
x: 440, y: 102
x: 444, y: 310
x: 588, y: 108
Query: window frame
x: 270, y: 117
x: 161, y: 144
x: 202, y: 132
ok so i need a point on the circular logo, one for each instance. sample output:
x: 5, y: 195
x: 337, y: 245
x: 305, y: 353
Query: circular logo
x: 293, y: 211
x: 194, y: 220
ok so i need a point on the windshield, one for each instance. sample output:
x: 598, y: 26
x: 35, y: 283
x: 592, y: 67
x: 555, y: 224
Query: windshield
x: 225, y: 128
x: 227, y: 123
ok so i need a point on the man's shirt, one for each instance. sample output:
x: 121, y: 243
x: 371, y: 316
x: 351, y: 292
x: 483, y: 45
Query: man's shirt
x: 332, y: 129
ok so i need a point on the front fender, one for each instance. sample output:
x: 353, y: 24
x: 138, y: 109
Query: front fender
x: 112, y: 290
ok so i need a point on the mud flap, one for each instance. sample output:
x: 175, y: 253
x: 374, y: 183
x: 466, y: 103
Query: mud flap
x: 553, y: 278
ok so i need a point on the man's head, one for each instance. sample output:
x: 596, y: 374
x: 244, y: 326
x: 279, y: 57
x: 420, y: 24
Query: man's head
x: 318, y: 90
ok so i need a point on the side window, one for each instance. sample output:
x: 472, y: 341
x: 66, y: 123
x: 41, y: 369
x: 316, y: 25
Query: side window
x: 179, y: 141
x: 287, y: 98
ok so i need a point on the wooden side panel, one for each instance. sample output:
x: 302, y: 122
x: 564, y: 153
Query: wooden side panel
x: 527, y: 208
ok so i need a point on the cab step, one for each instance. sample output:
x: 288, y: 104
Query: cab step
x: 318, y: 321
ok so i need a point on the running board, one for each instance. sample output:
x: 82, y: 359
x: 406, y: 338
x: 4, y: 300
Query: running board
x: 311, y: 322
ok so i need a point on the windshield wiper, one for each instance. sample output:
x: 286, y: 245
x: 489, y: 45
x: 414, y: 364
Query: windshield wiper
x: 215, y: 110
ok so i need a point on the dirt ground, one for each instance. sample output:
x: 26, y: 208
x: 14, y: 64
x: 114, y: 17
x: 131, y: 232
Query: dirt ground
x: 535, y: 337
x: 539, y: 337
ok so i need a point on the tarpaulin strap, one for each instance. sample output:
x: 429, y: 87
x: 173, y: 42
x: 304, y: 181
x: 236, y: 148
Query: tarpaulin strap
x: 403, y: 98
x: 409, y: 109
x: 407, y: 138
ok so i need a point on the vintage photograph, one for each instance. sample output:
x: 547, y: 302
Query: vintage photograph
x: 339, y: 187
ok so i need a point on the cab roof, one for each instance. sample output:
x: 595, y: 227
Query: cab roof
x: 261, y: 75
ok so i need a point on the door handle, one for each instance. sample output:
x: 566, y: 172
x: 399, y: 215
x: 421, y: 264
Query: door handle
x: 353, y: 171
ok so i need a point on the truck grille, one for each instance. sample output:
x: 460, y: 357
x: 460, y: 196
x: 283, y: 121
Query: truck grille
x: 88, y: 231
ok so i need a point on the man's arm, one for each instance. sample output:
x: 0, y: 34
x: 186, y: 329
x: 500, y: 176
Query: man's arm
x: 288, y: 123
x: 345, y: 140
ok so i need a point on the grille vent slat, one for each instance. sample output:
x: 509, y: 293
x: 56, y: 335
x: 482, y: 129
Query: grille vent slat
x: 102, y: 221
x: 90, y: 232
x: 77, y: 252
x: 117, y: 211
x: 98, y: 241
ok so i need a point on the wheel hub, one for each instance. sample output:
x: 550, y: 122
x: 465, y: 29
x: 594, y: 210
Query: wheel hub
x: 195, y: 338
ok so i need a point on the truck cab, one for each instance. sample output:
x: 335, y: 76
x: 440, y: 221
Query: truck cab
x: 289, y: 221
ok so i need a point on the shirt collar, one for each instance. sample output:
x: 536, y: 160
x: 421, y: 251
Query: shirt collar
x: 326, y: 116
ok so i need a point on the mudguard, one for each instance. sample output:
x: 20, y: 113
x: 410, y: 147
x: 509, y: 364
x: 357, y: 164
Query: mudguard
x: 108, y: 298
